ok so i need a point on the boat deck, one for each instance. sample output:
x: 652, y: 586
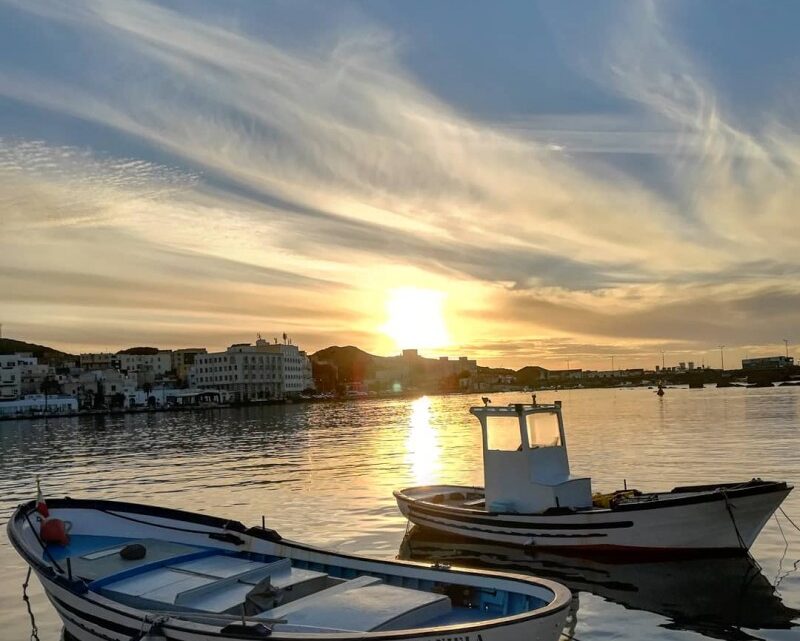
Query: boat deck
x: 300, y: 596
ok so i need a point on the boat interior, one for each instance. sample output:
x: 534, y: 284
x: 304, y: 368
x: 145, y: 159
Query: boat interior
x: 296, y: 595
x: 475, y: 499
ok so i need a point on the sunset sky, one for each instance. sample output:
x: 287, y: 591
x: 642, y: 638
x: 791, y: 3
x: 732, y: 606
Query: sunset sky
x: 524, y: 183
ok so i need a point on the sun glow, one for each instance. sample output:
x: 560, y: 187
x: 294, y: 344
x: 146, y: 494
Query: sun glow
x: 416, y: 318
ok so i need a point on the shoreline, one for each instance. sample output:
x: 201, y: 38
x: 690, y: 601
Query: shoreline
x: 342, y: 399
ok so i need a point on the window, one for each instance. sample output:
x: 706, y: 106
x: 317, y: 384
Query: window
x: 543, y: 430
x: 502, y: 433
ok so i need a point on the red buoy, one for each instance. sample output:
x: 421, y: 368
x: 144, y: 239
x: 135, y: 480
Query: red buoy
x: 54, y: 531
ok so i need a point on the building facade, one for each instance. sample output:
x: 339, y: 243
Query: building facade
x: 183, y: 359
x: 768, y: 362
x: 13, y: 371
x: 159, y: 363
x: 40, y: 404
x: 99, y: 360
x: 254, y: 372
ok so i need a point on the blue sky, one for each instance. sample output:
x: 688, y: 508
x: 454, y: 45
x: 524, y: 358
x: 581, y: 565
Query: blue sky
x: 575, y: 179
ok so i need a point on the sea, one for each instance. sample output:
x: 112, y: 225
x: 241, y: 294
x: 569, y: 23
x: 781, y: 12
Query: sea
x: 324, y: 474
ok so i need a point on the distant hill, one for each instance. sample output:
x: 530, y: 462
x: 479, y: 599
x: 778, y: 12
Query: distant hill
x: 353, y: 363
x: 42, y: 352
x: 139, y: 351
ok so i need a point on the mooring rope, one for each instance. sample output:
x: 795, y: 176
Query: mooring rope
x: 27, y: 599
x: 794, y: 525
x: 729, y: 507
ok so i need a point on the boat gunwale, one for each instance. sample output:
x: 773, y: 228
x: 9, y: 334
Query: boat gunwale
x: 733, y: 490
x: 562, y: 596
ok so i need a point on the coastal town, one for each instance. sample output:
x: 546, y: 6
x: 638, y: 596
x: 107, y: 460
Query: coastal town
x: 36, y: 380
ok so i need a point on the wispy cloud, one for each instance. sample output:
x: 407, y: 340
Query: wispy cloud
x: 292, y: 178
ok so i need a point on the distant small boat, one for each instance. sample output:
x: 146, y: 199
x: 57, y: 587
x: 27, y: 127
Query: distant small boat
x: 531, y: 499
x: 131, y: 571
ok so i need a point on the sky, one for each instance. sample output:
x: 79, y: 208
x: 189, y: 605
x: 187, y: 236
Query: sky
x: 520, y: 182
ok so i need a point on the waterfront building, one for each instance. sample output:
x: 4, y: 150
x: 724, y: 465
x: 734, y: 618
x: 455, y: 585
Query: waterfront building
x: 295, y: 367
x: 158, y: 363
x: 13, y: 368
x: 108, y: 383
x: 39, y: 404
x: 183, y: 359
x: 254, y: 372
x: 768, y: 362
x: 33, y: 376
x: 171, y: 397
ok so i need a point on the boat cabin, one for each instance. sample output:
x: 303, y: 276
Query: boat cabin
x: 525, y: 462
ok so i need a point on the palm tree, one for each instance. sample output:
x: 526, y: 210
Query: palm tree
x: 147, y: 388
x: 49, y: 386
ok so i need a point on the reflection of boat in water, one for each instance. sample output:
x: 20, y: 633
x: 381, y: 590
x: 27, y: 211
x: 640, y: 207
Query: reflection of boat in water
x: 530, y: 498
x: 718, y: 597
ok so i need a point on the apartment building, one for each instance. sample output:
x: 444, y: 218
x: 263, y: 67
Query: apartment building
x: 252, y: 372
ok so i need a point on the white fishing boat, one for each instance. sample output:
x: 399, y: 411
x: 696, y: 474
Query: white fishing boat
x: 531, y: 499
x: 130, y: 572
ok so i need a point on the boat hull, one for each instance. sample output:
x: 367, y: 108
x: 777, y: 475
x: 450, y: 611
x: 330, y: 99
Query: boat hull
x: 88, y: 615
x: 88, y: 620
x: 725, y: 519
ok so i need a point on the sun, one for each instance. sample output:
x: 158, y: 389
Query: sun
x: 416, y: 318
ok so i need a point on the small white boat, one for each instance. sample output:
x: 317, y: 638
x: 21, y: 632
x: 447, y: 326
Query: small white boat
x: 531, y: 499
x: 133, y: 571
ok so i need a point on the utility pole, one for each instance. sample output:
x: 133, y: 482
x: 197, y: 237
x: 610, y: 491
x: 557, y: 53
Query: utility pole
x: 612, y: 366
x: 785, y: 342
x: 567, y: 364
x: 722, y: 357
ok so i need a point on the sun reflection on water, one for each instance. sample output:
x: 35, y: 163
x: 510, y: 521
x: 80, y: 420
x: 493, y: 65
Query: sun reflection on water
x: 422, y: 446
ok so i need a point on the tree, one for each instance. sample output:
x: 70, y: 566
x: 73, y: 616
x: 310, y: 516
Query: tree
x: 49, y: 387
x: 147, y: 387
x: 100, y: 396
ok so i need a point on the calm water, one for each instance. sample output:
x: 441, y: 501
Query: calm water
x: 325, y: 474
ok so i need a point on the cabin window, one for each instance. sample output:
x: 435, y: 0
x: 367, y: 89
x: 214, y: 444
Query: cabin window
x: 543, y: 430
x: 502, y: 433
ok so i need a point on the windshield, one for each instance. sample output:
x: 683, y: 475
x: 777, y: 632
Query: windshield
x: 502, y: 433
x: 543, y: 430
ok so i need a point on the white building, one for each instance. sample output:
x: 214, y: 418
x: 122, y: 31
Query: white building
x: 13, y: 368
x: 296, y: 366
x: 159, y: 363
x: 99, y: 360
x: 183, y: 359
x: 110, y: 382
x: 40, y: 404
x: 250, y: 372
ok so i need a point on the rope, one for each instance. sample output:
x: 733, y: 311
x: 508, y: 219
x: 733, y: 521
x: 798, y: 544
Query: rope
x: 780, y: 577
x: 790, y: 520
x: 27, y: 599
x: 42, y: 543
x: 729, y: 507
